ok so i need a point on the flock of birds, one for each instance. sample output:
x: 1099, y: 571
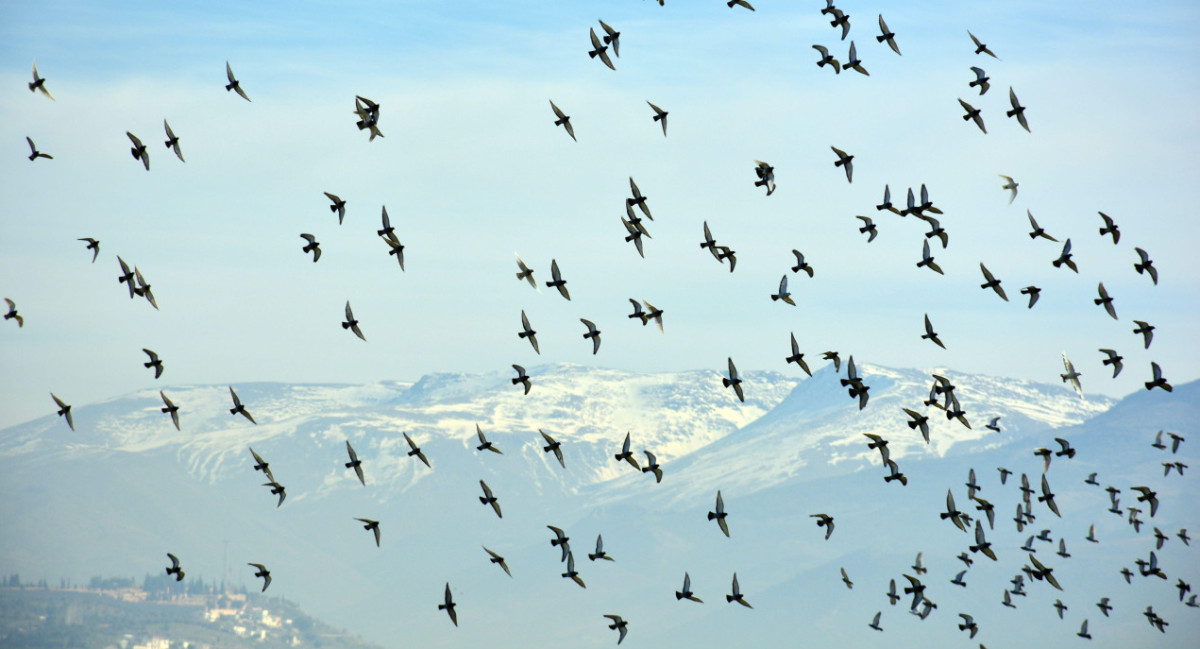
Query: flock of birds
x: 942, y: 395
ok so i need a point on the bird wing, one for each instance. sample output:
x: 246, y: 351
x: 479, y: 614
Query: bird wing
x: 733, y: 375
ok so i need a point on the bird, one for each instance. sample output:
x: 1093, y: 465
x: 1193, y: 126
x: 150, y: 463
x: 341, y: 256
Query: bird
x: 981, y: 542
x: 39, y: 83
x: 827, y: 59
x: 395, y: 248
x: 992, y: 282
x: 172, y: 142
x: 1041, y: 572
x: 499, y: 560
x: 1145, y: 265
x: 238, y: 408
x: 972, y: 486
x: 852, y: 63
x: 968, y: 624
x: 732, y: 380
x: 234, y: 84
x: 528, y: 332
x: 918, y: 420
x: 1105, y: 300
x: 1071, y: 375
x: 599, y: 49
x: 138, y: 150
x: 958, y: 579
x: 736, y: 596
x: 660, y: 115
x: 868, y: 227
x: 368, y: 116
x: 1146, y: 330
x: 720, y: 514
x: 92, y: 245
x: 686, y: 593
x: 1091, y: 479
x: 1037, y: 230
x: 826, y: 521
x: 387, y: 231
x: 952, y: 512
x: 64, y: 410
x: 175, y: 568
x: 930, y: 334
x: 638, y: 199
x: 916, y: 589
x: 1008, y: 600
x: 994, y: 425
x: 618, y: 623
x: 355, y: 464
x: 34, y: 154
x: 875, y: 622
x: 1064, y: 257
x: 526, y: 273
x: 891, y: 594
x: 981, y: 80
x: 833, y: 356
x: 313, y: 246
x: 894, y: 473
x: 13, y: 315
x: 1083, y: 630
x: 277, y: 490
x: 1004, y: 473
x: 372, y: 526
x: 262, y: 572
x: 1110, y: 228
x: 935, y: 230
x: 980, y: 48
x: 1018, y: 110
x: 1033, y: 292
x: 887, y: 35
x: 154, y: 361
x: 627, y: 454
x: 797, y: 357
x: 973, y: 114
x: 416, y: 450
x: 652, y: 466
x: 887, y: 202
x: 730, y: 4
x: 143, y: 288
x: 1011, y: 186
x: 592, y: 332
x: 571, y: 572
x: 1062, y: 549
x: 1104, y: 606
x: 783, y: 293
x: 558, y: 282
x: 553, y: 447
x: 352, y: 324
x: 599, y: 553
x: 337, y: 205
x: 1148, y: 496
x: 1158, y: 382
x: 1048, y: 497
x: 840, y: 19
x: 846, y: 162
x: 563, y: 120
x: 484, y: 444
x: 447, y: 605
x: 611, y: 37
x: 636, y: 232
x: 1044, y: 453
x: 1176, y: 440
x: 522, y: 377
x: 261, y: 465
x: 846, y: 579
x: 488, y: 499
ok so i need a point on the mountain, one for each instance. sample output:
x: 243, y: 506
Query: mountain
x: 126, y: 488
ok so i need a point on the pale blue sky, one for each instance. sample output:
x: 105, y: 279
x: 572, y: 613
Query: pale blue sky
x: 472, y: 169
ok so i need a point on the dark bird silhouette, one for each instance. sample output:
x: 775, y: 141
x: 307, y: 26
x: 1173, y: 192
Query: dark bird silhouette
x: 277, y: 490
x: 846, y: 579
x: 571, y: 573
x: 783, y: 293
x: 1037, y: 230
x: 980, y: 48
x: 1148, y: 496
x: 1004, y: 473
x: 1018, y: 110
x: 627, y: 454
x: 730, y: 4
x: 499, y: 560
x: 599, y: 49
x: 12, y: 314
x: 612, y: 37
x: 887, y: 202
x: 919, y: 565
x: 1048, y: 497
x: 488, y: 499
x: 930, y: 334
x: 528, y: 332
x: 687, y: 593
x: 1110, y: 228
x: 526, y: 273
x: 868, y: 228
x: 174, y: 568
x: 1064, y: 257
x: 840, y: 19
x: 355, y: 464
x: 447, y: 605
x: 660, y: 115
x: 262, y: 572
x: 39, y: 83
x: 234, y: 84
x: 887, y: 35
x: 826, y: 521
x: 371, y: 526
x: 1011, y: 185
x: 139, y: 151
x: 720, y: 514
x: 981, y: 80
x: 981, y: 543
x: 875, y: 622
x: 92, y: 245
x: 592, y: 333
x: 170, y: 408
x: 992, y: 282
x: 736, y: 596
x: 261, y: 465
x: 387, y: 231
x: 553, y: 447
x: 558, y: 282
x: 1033, y: 292
x: 844, y: 161
x: 917, y: 419
x: 833, y: 356
x: 827, y: 59
x: 143, y: 288
x: 563, y: 120
x: 652, y: 466
x: 599, y: 553
x: 1106, y: 301
x: 732, y: 380
x: 1112, y: 359
x: 1146, y: 265
x: 891, y: 594
x: 994, y: 425
x: 619, y: 624
x: 522, y: 377
x: 352, y: 324
x: 338, y: 205
x: 64, y: 410
x: 34, y: 154
x: 172, y: 141
x: 638, y: 199
x: 852, y: 62
x: 973, y: 114
x: 413, y: 449
x: 1147, y: 332
x: 312, y: 246
x: 1158, y: 382
x: 395, y: 248
x: 1041, y: 572
x: 797, y: 357
x: 952, y: 512
x: 238, y: 408
x: 484, y: 444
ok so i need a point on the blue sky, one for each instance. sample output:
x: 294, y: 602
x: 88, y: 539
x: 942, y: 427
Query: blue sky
x: 472, y: 169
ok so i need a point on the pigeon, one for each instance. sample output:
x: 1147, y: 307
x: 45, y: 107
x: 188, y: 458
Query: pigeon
x: 593, y: 333
x: 1018, y: 110
x: 497, y: 559
x: 558, y: 282
x: 1071, y: 375
x: 528, y: 332
x: 1105, y: 300
x: 981, y: 542
x: 891, y: 594
x: 234, y: 84
x: 276, y: 490
x: 627, y: 454
x: 638, y: 199
x: 723, y: 253
x: 338, y: 205
x: 355, y: 464
x: 980, y: 48
x: 395, y: 248
x: 652, y: 466
x: 660, y: 115
x: 845, y: 162
x: 599, y: 49
x: 313, y: 246
x: 154, y: 362
x: 64, y: 410
x: 887, y: 35
x: 1113, y: 359
x: 972, y: 486
x: 553, y: 447
x: 1033, y: 292
x: 1004, y: 473
x: 783, y: 293
x: 571, y: 573
x: 730, y: 4
x: 737, y: 594
x: 352, y: 324
x: 826, y: 521
x: 1148, y: 496
x: 981, y: 80
x: 262, y: 572
x: 447, y: 605
x: 39, y: 83
x: 1060, y: 607
x: 1011, y: 186
x: 1037, y: 230
x: 833, y: 356
x: 868, y: 227
x: 1062, y: 549
x: 138, y: 150
x: 827, y: 59
x: 92, y: 245
x: 635, y: 235
x: 1042, y: 572
x: 840, y: 19
x: 797, y: 357
x: 368, y: 116
x: 599, y: 553
x: 13, y: 315
x: 175, y: 569
x: 1146, y: 265
x: 1064, y: 257
x: 522, y: 377
x: 720, y: 514
x: 261, y: 465
x: 388, y: 231
x: 875, y: 622
x: 484, y: 444
x: 920, y: 420
x: 994, y: 425
x: 846, y: 579
x: 611, y: 37
x: 372, y: 526
x: 916, y: 589
x: 1159, y: 382
x: 1048, y: 497
x: 563, y: 120
x: 930, y: 334
x: 526, y: 273
x: 1091, y: 479
x: 238, y: 408
x: 34, y: 154
x: 1110, y: 228
x: 619, y: 624
x: 1104, y: 606
x: 952, y: 512
x: 1083, y: 631
x: 852, y: 63
x: 733, y: 380
x: 143, y: 288
x: 1147, y: 332
x: 686, y: 593
x: 973, y: 114
x: 488, y: 499
x: 1008, y: 600
x: 1175, y: 442
x: 172, y: 141
x: 416, y: 450
x: 992, y: 282
x: 919, y: 565
x: 958, y: 579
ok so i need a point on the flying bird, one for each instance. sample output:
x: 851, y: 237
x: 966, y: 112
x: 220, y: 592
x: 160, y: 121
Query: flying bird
x: 887, y: 202
x: 371, y: 526
x: 1110, y: 228
x: 562, y: 540
x: 64, y: 410
x: 526, y: 273
x: 875, y: 622
x: 619, y: 624
x: 1037, y: 230
x: 852, y: 62
x: 571, y: 573
x: 783, y: 293
x: 1064, y: 257
x: 917, y: 419
x: 660, y: 115
x: 1159, y: 382
x: 887, y: 35
x: 172, y: 141
x: 627, y: 455
x: 611, y: 37
x: 313, y: 246
x: 34, y: 154
x: 413, y: 449
x: 733, y: 380
x: 395, y: 248
x: 138, y: 150
x: 277, y: 490
x: 484, y: 444
x: 826, y: 521
x: 827, y: 59
x: 175, y: 569
x: 563, y: 120
x: 337, y: 205
x: 262, y: 572
x: 521, y: 377
x: 528, y: 332
x: 593, y: 333
x: 599, y: 49
x: 238, y: 408
x: 499, y: 560
x: 981, y: 80
x: 930, y: 334
x: 143, y: 288
x: 234, y: 84
x: 488, y: 499
x: 973, y: 114
x: 868, y: 228
x: 1033, y: 292
x: 558, y: 282
x: 1105, y: 300
x: 992, y: 282
x: 686, y: 593
x: 840, y: 19
x: 92, y: 245
x: 730, y: 4
x: 154, y: 361
x: 1011, y: 186
x: 846, y: 162
x: 1071, y: 375
x: 261, y: 465
x: 599, y: 553
x: 1018, y: 110
x: 980, y: 48
x: 1146, y: 265
x: 355, y: 464
x: 797, y: 357
x: 846, y: 579
x: 13, y: 315
x: 720, y: 514
x: 352, y: 324
x: 736, y: 596
x: 39, y: 83
x: 1144, y: 328
x: 447, y: 605
x: 553, y: 447
x: 652, y: 466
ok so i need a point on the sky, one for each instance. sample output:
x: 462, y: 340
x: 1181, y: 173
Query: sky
x: 472, y: 169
